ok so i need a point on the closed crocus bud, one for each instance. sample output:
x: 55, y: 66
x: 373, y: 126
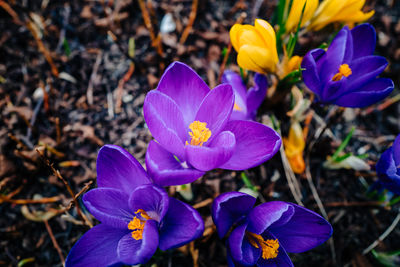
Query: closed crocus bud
x: 294, y: 147
x: 295, y: 13
x: 256, y: 46
x: 343, y: 11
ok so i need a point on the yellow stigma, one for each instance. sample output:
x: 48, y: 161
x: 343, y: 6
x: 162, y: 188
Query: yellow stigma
x: 236, y: 107
x: 137, y: 225
x: 344, y: 70
x: 199, y: 133
x: 269, y: 247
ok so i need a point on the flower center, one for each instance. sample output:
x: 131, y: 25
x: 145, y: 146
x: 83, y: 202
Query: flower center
x: 269, y: 247
x: 137, y: 225
x: 344, y: 70
x: 236, y: 107
x: 199, y: 133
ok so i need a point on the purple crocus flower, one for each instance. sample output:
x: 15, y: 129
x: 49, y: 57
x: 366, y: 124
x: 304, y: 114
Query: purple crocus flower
x: 246, y: 102
x: 346, y: 74
x: 388, y: 168
x: 264, y: 234
x: 193, y: 131
x: 136, y: 216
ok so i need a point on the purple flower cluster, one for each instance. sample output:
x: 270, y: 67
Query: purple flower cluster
x: 346, y: 74
x: 388, y: 168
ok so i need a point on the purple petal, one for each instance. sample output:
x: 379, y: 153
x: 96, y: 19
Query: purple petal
x: 165, y: 122
x: 117, y: 168
x: 132, y: 252
x: 335, y: 56
x: 185, y: 87
x: 305, y: 230
x: 364, y: 70
x: 228, y: 208
x: 214, y: 155
x: 181, y: 225
x: 216, y: 109
x: 110, y: 206
x: 256, y: 94
x: 255, y: 144
x: 396, y: 151
x: 239, y: 88
x: 97, y: 247
x: 371, y: 93
x: 164, y: 168
x: 364, y: 39
x: 386, y: 164
x: 152, y: 199
x: 310, y: 70
x: 240, y: 248
x: 282, y: 260
x: 269, y: 214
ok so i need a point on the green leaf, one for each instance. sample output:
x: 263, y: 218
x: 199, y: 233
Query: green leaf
x: 67, y: 50
x: 293, y: 38
x: 387, y: 259
x: 25, y: 261
x: 247, y: 182
x: 343, y: 144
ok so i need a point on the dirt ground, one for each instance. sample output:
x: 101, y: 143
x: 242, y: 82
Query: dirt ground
x: 69, y: 83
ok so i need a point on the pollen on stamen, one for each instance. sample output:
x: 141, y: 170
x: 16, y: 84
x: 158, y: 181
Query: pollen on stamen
x: 199, y: 133
x: 236, y: 107
x: 269, y: 247
x: 137, y: 227
x: 344, y: 70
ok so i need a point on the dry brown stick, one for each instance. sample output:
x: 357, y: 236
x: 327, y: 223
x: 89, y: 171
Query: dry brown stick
x: 229, y: 49
x: 71, y: 193
x: 86, y: 187
x: 11, y: 12
x: 354, y: 204
x: 89, y: 91
x: 155, y: 40
x: 54, y: 240
x: 120, y: 88
x: 192, y: 17
x: 30, y: 201
x: 203, y: 203
x: 42, y: 48
x: 19, y: 142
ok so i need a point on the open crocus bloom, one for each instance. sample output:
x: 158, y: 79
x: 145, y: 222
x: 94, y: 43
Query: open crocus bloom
x: 388, y: 168
x: 193, y: 131
x: 255, y: 45
x: 246, y: 102
x: 295, y: 13
x: 136, y: 217
x: 264, y: 234
x: 344, y: 11
x: 346, y: 74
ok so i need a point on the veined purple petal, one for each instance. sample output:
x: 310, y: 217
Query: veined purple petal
x: 240, y: 248
x: 310, y: 70
x: 109, y: 205
x: 165, y: 170
x: 255, y: 144
x: 181, y: 225
x: 371, y: 93
x: 165, y: 122
x: 97, y: 247
x: 239, y: 88
x: 269, y: 214
x: 214, y: 155
x: 282, y: 260
x: 364, y: 70
x: 216, y: 109
x: 228, y: 208
x: 152, y: 199
x: 132, y: 252
x: 364, y: 39
x: 396, y: 151
x: 256, y: 94
x: 304, y: 231
x: 117, y: 168
x: 185, y: 87
x: 335, y: 56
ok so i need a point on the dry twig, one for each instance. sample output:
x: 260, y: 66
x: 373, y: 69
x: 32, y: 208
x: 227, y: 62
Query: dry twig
x: 54, y: 240
x: 192, y: 17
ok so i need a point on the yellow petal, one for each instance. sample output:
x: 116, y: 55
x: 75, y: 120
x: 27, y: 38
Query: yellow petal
x: 233, y: 34
x: 295, y: 13
x: 256, y: 59
x: 248, y: 35
x: 268, y: 34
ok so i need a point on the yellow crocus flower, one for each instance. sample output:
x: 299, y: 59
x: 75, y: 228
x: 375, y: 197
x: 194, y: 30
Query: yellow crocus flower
x: 345, y: 11
x: 256, y: 46
x: 295, y: 13
x: 294, y: 147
